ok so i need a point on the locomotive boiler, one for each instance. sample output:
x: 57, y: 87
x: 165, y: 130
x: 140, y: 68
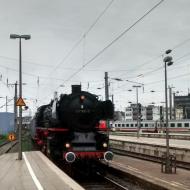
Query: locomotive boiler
x: 73, y: 126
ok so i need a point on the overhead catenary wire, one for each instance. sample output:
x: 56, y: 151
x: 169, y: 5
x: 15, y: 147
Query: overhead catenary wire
x: 114, y: 40
x: 6, y: 103
x: 160, y: 55
x: 181, y: 44
x: 129, y: 70
x: 82, y: 37
x: 35, y: 75
x: 160, y: 81
x: 177, y: 60
x: 160, y: 68
x: 171, y: 78
x: 90, y: 70
x: 70, y: 68
x: 144, y: 74
x: 26, y: 62
x: 99, y: 17
x: 177, y: 46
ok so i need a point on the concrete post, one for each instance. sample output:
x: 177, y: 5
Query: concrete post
x: 106, y: 94
x: 20, y: 107
x: 167, y: 131
x: 15, y: 107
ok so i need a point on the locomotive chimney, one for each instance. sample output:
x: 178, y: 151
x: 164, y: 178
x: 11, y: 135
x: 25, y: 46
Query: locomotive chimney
x: 76, y: 89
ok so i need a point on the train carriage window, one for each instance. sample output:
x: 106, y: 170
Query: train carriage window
x: 123, y: 125
x: 119, y: 125
x: 146, y: 124
x: 115, y: 125
x: 135, y: 125
x: 179, y: 124
x: 131, y: 125
x: 141, y: 125
x: 127, y: 125
x: 186, y: 124
x: 172, y: 124
x: 164, y: 124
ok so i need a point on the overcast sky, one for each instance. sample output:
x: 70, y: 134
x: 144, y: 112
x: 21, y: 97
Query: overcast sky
x: 55, y: 28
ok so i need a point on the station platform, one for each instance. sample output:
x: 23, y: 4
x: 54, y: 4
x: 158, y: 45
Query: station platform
x: 151, y: 172
x: 33, y: 172
x: 156, y: 141
x: 154, y: 148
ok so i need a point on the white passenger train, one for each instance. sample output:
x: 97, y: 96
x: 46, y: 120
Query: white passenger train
x: 150, y: 126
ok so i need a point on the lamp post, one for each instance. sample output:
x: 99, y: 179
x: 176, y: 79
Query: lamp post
x: 137, y: 107
x: 26, y: 37
x: 167, y: 62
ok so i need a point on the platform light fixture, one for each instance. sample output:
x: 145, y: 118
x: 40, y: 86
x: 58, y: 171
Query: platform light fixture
x: 167, y: 62
x: 26, y: 37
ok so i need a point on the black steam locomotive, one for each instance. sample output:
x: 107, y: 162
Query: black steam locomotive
x: 73, y: 126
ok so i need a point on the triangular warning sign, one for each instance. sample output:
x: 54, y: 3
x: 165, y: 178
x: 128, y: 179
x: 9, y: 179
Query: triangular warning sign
x: 20, y: 102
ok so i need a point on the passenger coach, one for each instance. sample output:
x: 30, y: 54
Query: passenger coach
x: 150, y: 126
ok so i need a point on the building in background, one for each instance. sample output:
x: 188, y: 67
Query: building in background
x: 26, y: 121
x: 7, y: 123
x: 129, y: 113
x: 180, y: 110
x: 182, y: 107
x: 149, y: 112
x: 119, y: 115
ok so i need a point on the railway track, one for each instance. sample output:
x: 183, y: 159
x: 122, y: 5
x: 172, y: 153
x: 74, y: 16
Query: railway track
x: 7, y: 146
x: 4, y: 143
x: 101, y: 177
x: 112, y: 180
x: 102, y: 182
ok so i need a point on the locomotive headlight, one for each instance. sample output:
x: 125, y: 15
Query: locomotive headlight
x: 82, y: 98
x: 67, y: 145
x: 105, y: 145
